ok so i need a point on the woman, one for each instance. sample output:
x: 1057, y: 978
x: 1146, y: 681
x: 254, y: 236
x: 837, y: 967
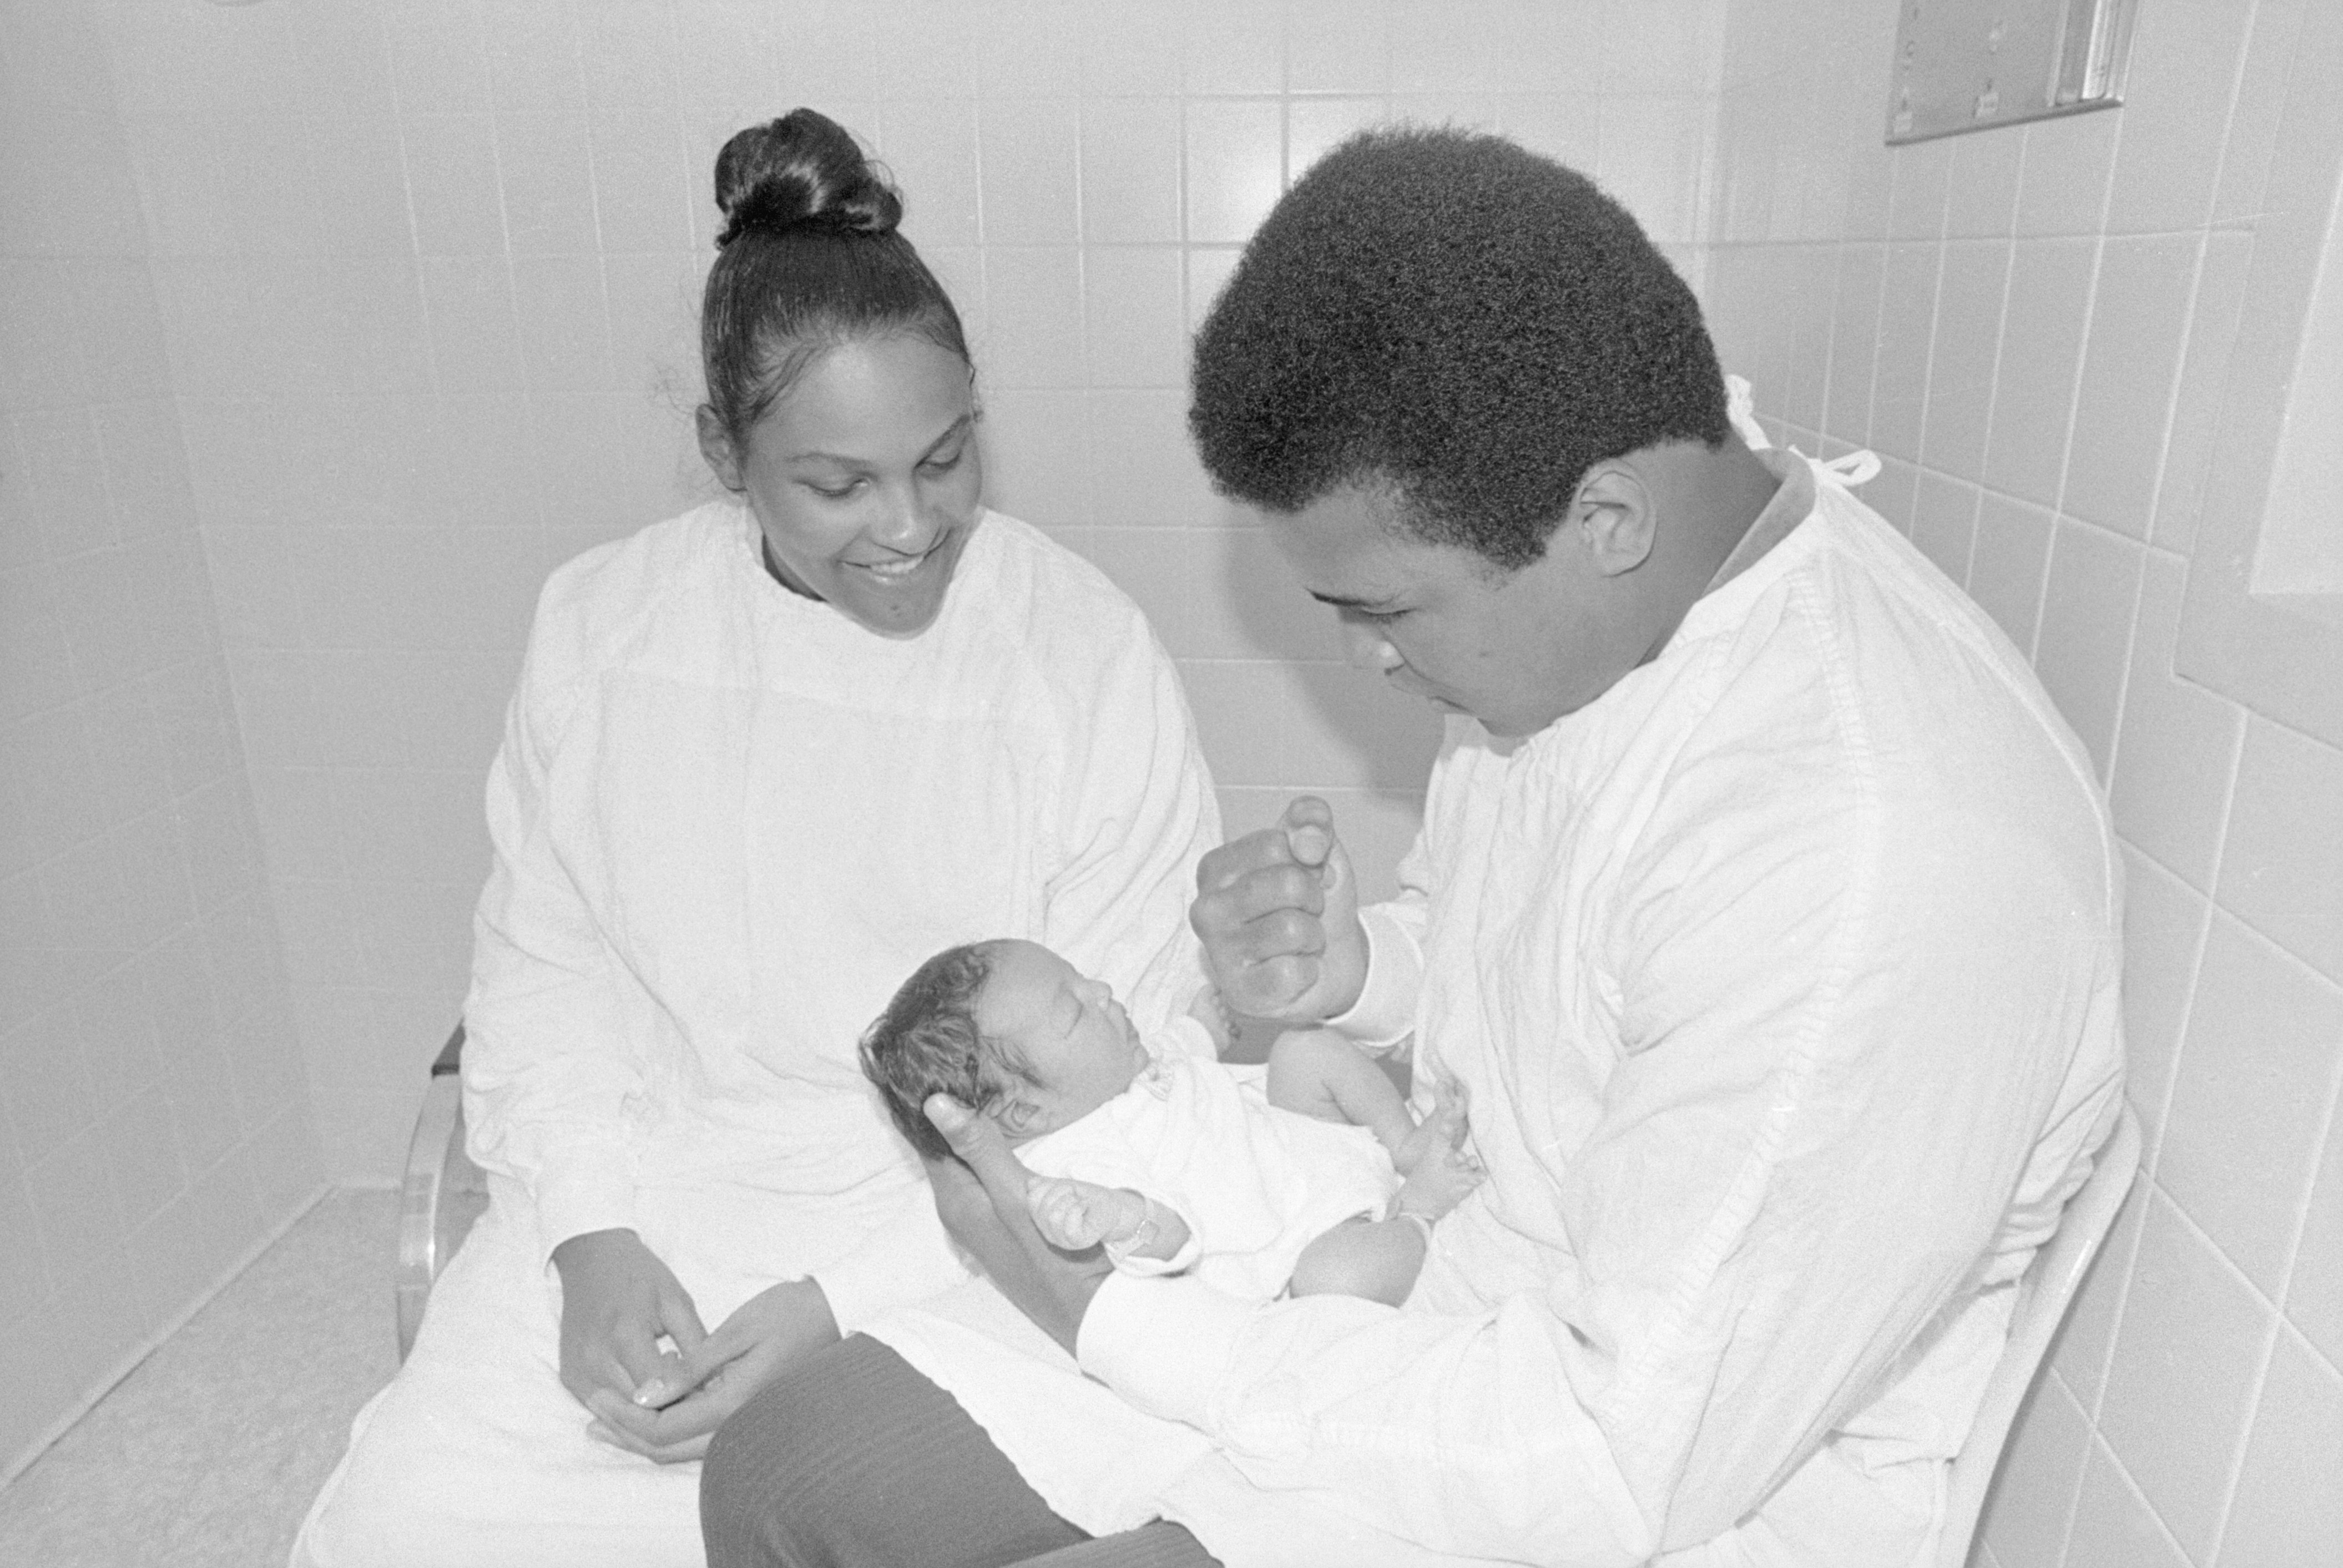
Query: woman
x: 764, y: 757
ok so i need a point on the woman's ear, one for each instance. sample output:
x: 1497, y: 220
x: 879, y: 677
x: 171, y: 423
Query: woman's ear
x: 715, y: 446
x: 1616, y: 518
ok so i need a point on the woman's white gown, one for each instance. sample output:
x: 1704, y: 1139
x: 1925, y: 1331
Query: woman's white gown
x: 728, y: 823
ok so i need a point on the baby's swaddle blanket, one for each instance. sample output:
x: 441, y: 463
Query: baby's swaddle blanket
x: 1255, y: 1183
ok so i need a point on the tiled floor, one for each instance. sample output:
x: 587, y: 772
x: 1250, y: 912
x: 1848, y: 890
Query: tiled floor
x: 207, y: 1454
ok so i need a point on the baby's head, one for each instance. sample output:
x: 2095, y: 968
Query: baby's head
x: 1008, y: 1029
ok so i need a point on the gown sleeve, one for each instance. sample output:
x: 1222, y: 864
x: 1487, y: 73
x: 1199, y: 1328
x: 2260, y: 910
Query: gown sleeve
x: 547, y: 1069
x: 1839, y: 1056
x: 1385, y: 1014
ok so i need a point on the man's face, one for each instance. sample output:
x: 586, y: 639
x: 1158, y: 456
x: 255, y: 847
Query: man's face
x: 1511, y: 649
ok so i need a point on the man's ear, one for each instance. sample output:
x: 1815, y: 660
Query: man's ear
x: 1616, y: 518
x: 716, y: 445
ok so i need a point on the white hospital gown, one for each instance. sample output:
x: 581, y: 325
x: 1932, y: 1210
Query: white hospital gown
x: 727, y: 820
x: 1784, y: 978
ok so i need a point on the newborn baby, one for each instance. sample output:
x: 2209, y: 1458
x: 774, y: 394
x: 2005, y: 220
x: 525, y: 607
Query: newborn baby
x: 1317, y: 1180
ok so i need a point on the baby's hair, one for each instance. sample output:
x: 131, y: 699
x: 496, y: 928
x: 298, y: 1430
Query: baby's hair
x: 927, y: 1042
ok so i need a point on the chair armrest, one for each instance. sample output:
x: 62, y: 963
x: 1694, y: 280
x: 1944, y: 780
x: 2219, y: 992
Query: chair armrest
x: 440, y: 1193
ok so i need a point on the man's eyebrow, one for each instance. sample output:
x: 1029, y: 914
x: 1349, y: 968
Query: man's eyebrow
x: 1348, y: 601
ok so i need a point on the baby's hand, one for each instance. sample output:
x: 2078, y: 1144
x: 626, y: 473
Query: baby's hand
x: 1439, y: 1172
x: 1443, y: 1129
x: 1209, y: 1009
x: 1077, y: 1215
x: 1439, y: 1182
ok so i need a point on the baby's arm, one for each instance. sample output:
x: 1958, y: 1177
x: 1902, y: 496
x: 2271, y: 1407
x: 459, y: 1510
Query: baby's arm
x: 1319, y: 1073
x: 1077, y: 1215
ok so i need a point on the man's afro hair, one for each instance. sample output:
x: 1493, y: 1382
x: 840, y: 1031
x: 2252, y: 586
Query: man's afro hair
x: 1457, y: 319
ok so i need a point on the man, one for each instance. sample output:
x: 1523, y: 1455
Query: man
x: 1763, y: 904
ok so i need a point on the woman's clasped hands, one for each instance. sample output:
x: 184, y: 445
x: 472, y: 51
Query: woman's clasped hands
x: 621, y: 1303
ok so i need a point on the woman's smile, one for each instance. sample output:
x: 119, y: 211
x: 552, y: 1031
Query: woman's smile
x: 865, y: 480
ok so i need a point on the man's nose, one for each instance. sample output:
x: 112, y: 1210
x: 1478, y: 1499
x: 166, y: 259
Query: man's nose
x: 1365, y: 646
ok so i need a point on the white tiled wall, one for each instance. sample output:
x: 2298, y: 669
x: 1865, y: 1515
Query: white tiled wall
x: 422, y: 276
x: 426, y: 274
x: 2031, y: 325
x: 154, y: 1118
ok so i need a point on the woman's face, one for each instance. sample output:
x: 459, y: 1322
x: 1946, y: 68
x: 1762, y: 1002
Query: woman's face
x: 864, y: 478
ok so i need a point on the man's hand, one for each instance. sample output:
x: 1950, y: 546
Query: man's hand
x: 672, y: 1415
x: 1278, y: 912
x: 981, y: 1199
x: 618, y: 1301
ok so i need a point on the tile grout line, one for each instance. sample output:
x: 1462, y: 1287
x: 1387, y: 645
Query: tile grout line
x: 137, y: 1356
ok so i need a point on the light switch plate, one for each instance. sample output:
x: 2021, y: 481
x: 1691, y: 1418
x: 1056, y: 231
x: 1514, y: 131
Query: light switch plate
x: 1970, y: 64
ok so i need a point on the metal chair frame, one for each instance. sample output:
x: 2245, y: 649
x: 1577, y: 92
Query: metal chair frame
x: 2044, y: 1296
x: 442, y: 1193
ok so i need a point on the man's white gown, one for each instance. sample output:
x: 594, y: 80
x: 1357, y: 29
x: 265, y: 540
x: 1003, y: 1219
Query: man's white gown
x: 1784, y: 979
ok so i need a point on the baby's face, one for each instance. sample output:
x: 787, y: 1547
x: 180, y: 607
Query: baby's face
x: 1074, y: 1038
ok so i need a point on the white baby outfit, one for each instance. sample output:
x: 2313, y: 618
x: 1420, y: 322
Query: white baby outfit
x: 727, y: 820
x: 1255, y: 1183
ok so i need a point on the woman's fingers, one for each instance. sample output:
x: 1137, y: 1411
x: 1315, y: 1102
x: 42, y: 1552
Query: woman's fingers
x: 680, y: 1375
x: 684, y: 1416
x: 606, y: 1370
x: 680, y: 1318
x: 618, y: 1300
x: 634, y: 1344
x: 669, y: 1436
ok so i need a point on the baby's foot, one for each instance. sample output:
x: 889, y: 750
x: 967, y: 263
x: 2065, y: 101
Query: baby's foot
x: 1076, y: 1215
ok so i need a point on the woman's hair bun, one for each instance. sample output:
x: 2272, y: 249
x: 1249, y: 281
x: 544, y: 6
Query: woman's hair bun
x: 803, y: 170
